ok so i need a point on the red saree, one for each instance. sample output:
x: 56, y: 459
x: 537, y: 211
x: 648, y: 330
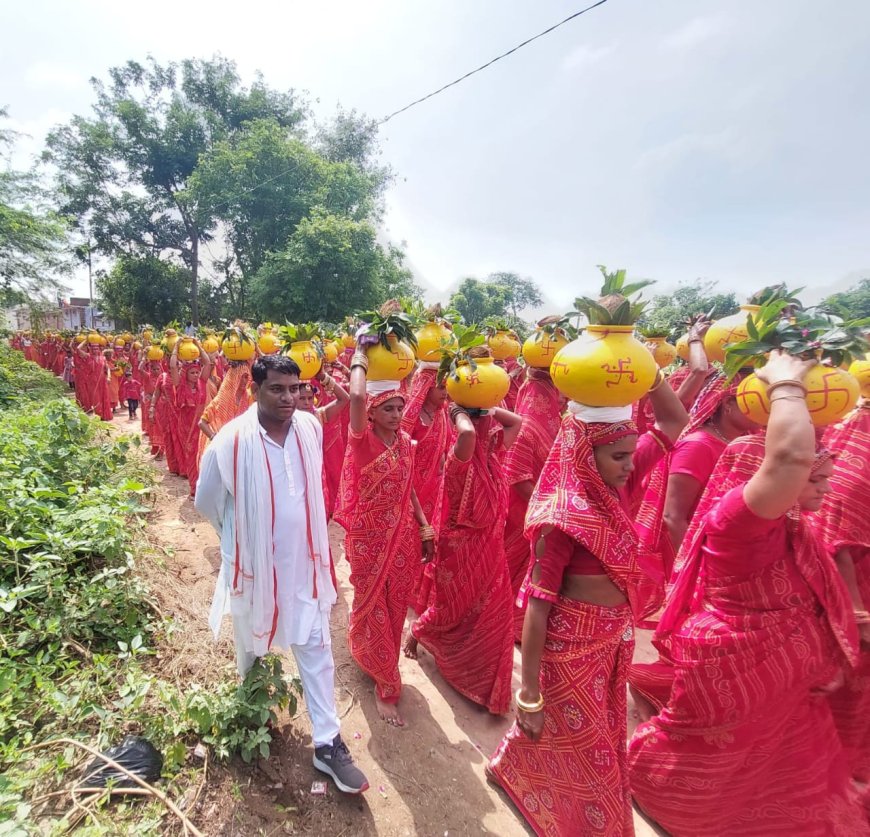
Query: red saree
x: 538, y: 403
x: 744, y: 746
x: 232, y: 399
x: 166, y: 417
x: 382, y: 545
x: 151, y: 429
x: 94, y: 385
x: 430, y: 452
x: 515, y: 372
x: 189, y: 404
x: 574, y: 780
x: 843, y: 522
x: 467, y: 625
x: 334, y: 446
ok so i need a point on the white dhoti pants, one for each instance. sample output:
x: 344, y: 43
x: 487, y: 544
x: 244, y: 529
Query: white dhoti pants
x: 317, y: 672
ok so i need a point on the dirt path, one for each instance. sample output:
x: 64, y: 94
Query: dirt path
x: 426, y: 779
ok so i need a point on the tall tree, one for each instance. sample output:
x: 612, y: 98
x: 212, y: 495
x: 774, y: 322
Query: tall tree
x: 670, y: 311
x: 851, y: 304
x: 293, y: 179
x: 124, y: 172
x: 144, y: 289
x: 33, y: 244
x: 477, y: 299
x: 331, y: 266
x: 520, y: 293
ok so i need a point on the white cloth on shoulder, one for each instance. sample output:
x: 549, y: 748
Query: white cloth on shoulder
x: 242, y: 462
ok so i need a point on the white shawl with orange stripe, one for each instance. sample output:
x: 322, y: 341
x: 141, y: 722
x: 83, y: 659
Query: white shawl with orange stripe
x: 251, y: 583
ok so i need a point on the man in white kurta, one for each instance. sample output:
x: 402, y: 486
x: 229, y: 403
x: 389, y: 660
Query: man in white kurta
x: 260, y: 486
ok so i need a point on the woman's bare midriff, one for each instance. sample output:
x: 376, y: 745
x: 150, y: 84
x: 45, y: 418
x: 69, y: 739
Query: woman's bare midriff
x: 592, y: 589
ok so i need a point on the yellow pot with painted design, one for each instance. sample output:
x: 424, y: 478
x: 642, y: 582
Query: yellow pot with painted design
x: 607, y: 366
x: 731, y: 329
x: 540, y: 348
x: 831, y: 394
x: 481, y: 385
x: 503, y: 344
x: 393, y: 364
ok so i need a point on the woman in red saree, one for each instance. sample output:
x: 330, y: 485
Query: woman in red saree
x: 540, y: 405
x: 164, y: 417
x: 467, y: 625
x: 190, y: 382
x: 325, y: 398
x: 672, y: 494
x: 149, y: 373
x: 844, y: 525
x: 425, y: 421
x: 377, y: 508
x: 91, y: 374
x: 233, y: 398
x: 758, y: 626
x: 116, y: 372
x: 563, y: 761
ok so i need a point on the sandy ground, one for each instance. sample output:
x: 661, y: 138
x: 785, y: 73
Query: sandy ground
x: 426, y: 779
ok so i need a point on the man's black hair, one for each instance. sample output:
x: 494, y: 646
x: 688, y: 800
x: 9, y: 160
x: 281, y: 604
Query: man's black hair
x: 277, y: 363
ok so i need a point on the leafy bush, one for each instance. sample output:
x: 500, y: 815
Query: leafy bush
x: 22, y: 381
x: 75, y: 620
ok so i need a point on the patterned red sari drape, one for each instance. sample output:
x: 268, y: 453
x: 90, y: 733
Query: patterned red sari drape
x: 382, y: 545
x: 845, y: 523
x: 468, y: 623
x: 538, y: 402
x: 744, y: 746
x: 189, y: 404
x: 571, y: 782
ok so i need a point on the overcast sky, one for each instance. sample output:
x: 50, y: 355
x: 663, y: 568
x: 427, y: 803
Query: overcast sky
x: 677, y: 138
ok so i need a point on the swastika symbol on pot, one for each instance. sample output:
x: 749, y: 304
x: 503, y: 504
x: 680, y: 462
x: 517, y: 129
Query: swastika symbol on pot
x: 308, y: 357
x: 559, y: 365
x: 827, y: 393
x: 404, y: 363
x: 472, y: 379
x: 622, y: 369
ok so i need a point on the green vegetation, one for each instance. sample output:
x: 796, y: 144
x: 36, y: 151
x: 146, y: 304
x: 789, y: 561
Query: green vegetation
x: 78, y: 629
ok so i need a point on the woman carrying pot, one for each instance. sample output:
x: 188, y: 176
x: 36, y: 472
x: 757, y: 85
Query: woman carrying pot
x: 468, y: 622
x: 563, y: 761
x: 759, y: 627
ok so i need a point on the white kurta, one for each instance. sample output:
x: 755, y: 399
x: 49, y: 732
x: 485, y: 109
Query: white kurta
x: 297, y: 608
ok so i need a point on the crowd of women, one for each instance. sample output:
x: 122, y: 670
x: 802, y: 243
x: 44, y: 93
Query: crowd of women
x: 564, y: 528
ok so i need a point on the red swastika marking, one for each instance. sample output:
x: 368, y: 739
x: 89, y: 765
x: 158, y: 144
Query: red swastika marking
x: 404, y: 363
x: 623, y: 369
x: 827, y: 393
x: 308, y: 357
x: 473, y: 379
x: 547, y: 346
x: 559, y: 365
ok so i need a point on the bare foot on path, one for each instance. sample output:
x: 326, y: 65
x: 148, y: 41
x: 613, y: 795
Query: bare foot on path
x: 389, y: 712
x: 410, y: 647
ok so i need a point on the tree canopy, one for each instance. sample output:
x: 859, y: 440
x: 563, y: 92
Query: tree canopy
x: 851, y: 304
x: 144, y: 289
x: 670, y: 311
x: 33, y: 261
x: 123, y: 173
x: 501, y: 294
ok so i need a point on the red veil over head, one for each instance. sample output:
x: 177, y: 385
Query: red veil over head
x: 571, y: 495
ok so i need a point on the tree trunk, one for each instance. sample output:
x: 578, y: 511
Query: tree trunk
x: 194, y: 275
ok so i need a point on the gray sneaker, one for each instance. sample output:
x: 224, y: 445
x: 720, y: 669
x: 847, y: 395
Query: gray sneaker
x: 335, y: 761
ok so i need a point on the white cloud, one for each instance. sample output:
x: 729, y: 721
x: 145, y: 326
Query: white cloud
x: 48, y: 75
x: 585, y: 56
x: 694, y: 33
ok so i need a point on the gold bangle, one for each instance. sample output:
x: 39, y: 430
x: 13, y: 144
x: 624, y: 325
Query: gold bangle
x: 789, y: 382
x: 787, y: 397
x: 359, y: 359
x: 530, y: 708
x: 660, y: 379
x: 427, y: 533
x: 695, y: 340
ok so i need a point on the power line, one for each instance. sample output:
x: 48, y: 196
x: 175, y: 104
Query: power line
x: 493, y: 61
x: 439, y: 90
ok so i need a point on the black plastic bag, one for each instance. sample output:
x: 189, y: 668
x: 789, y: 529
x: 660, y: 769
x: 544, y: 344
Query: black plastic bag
x: 137, y: 754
